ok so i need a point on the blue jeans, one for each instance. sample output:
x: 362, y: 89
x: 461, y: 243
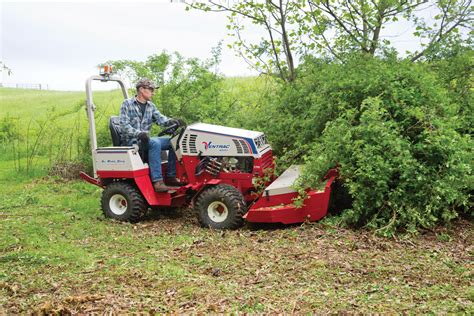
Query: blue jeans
x: 155, y: 146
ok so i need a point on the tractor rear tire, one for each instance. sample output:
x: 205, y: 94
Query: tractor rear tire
x: 220, y: 207
x: 122, y: 201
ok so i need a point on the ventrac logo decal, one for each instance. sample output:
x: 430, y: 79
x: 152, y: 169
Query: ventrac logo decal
x: 220, y: 147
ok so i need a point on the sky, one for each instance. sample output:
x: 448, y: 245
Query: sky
x: 60, y: 43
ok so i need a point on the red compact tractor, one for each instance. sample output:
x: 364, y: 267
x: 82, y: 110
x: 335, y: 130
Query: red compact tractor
x: 222, y: 168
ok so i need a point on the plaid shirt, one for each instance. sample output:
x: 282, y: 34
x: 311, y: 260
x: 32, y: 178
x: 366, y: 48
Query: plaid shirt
x: 132, y: 122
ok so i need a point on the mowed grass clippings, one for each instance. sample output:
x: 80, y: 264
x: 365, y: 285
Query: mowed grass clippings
x: 59, y: 254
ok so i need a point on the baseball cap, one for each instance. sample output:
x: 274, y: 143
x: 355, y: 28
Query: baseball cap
x: 145, y: 83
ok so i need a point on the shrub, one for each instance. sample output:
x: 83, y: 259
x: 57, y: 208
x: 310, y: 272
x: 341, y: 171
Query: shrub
x: 393, y: 129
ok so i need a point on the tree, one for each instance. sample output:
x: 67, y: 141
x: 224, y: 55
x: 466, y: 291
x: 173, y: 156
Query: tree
x: 273, y: 53
x: 334, y: 28
x: 358, y: 24
x: 453, y: 15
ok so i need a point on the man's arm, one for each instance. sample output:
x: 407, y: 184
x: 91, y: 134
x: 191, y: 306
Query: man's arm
x: 125, y: 125
x: 159, y: 118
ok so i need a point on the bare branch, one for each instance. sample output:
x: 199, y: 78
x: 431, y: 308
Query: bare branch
x: 329, y: 10
x: 349, y: 5
x: 459, y: 19
x: 247, y: 61
x: 326, y: 41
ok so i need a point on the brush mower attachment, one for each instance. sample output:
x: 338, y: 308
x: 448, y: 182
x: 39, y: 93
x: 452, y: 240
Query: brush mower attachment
x: 276, y: 203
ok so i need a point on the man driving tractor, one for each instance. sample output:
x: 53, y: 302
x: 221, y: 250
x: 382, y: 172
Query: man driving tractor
x: 136, y: 116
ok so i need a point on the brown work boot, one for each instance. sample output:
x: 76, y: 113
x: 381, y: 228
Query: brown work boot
x: 172, y: 181
x: 160, y: 186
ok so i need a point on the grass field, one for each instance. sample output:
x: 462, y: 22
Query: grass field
x: 29, y: 105
x: 39, y: 128
x: 59, y: 254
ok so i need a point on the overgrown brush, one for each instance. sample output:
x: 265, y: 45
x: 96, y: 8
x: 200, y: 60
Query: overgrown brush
x: 397, y: 135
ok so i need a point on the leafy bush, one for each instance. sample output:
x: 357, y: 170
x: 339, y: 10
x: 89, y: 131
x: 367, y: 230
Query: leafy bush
x: 394, y: 130
x: 454, y: 69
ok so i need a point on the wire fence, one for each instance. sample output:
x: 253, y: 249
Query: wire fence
x: 36, y: 86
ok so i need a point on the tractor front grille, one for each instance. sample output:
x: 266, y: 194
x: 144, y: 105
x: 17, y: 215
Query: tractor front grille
x: 238, y: 146
x: 184, y: 144
x: 192, y: 144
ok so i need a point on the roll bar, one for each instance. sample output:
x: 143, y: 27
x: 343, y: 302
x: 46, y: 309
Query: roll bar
x: 91, y: 108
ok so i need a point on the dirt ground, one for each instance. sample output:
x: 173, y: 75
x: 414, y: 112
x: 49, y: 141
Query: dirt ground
x: 172, y: 265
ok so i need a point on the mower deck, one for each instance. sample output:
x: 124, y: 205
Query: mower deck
x: 283, y: 184
x: 277, y: 202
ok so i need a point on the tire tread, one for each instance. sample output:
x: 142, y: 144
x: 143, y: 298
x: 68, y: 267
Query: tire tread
x: 225, y: 191
x: 136, y: 200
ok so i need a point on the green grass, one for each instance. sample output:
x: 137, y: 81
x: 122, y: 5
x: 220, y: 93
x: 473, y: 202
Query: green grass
x: 59, y: 254
x: 25, y: 103
x: 39, y: 104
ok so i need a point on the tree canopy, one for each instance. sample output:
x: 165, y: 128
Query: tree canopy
x: 337, y: 28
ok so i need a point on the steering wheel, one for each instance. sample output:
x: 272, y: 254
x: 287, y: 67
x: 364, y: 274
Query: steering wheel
x: 171, y: 130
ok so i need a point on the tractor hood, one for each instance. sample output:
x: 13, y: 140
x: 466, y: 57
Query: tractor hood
x: 227, y: 131
x: 215, y: 140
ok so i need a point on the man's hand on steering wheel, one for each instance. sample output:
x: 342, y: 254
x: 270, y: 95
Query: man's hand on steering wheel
x: 172, y: 126
x: 178, y: 122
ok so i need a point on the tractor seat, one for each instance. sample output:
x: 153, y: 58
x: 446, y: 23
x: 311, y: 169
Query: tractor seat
x: 115, y: 132
x: 114, y: 126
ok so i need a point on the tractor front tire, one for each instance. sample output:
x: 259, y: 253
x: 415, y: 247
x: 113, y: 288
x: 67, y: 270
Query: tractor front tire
x: 122, y: 201
x: 220, y: 207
